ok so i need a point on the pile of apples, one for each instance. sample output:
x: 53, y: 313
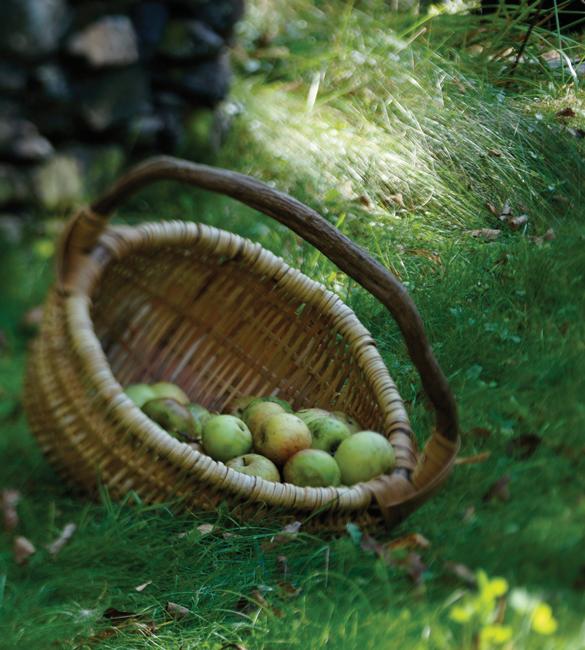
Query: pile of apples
x: 261, y: 436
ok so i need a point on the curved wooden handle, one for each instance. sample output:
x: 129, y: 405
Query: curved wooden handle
x: 84, y: 231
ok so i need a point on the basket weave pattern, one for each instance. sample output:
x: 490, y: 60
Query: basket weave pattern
x: 221, y: 317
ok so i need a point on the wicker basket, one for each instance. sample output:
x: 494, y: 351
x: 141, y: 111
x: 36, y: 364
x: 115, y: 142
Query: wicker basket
x: 221, y: 317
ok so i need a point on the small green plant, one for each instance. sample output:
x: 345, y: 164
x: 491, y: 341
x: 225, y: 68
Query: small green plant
x: 492, y: 616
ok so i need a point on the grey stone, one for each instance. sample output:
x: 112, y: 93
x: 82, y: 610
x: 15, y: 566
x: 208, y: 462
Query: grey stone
x: 15, y: 188
x: 13, y: 78
x: 110, y: 41
x: 190, y: 40
x: 21, y: 141
x: 207, y: 83
x: 220, y: 15
x: 108, y: 99
x: 32, y: 28
x: 53, y: 84
x: 58, y: 183
x: 150, y: 19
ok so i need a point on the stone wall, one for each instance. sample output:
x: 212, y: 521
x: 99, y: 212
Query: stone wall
x: 83, y: 83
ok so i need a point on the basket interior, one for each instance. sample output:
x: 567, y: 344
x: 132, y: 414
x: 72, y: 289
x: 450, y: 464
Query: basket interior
x: 220, y: 328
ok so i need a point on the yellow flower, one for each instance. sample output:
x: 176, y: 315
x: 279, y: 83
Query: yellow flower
x: 491, y: 588
x: 461, y: 614
x: 543, y: 620
x: 497, y: 634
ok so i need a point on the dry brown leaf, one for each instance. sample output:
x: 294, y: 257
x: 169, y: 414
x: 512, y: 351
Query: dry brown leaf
x: 10, y: 499
x: 488, y: 234
x: 429, y: 255
x: 176, y: 611
x: 398, y: 199
x: 499, y: 490
x: 205, y: 529
x: 412, y: 540
x: 492, y: 208
x: 472, y: 460
x: 480, y: 432
x: 496, y: 153
x: 549, y: 235
x: 462, y: 572
x: 566, y: 112
x: 22, y: 549
x: 517, y: 222
x: 117, y: 615
x: 290, y: 531
x: 66, y: 534
x: 414, y: 566
x: 523, y: 446
x: 143, y: 586
x: 287, y: 590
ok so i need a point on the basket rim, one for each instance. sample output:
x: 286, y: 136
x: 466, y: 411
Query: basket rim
x: 118, y: 242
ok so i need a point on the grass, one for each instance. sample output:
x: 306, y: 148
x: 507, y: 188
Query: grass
x: 400, y: 137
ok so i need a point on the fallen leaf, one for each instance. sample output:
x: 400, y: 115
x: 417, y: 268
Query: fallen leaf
x: 429, y: 255
x: 523, y: 446
x: 371, y: 545
x: 412, y: 540
x: 469, y: 514
x: 143, y: 586
x: 256, y: 601
x: 415, y: 567
x: 176, y: 611
x: 22, y: 549
x: 480, y: 432
x: 288, y: 590
x: 499, y: 490
x: 566, y: 112
x: 205, y: 529
x: 496, y: 153
x: 471, y: 460
x: 365, y: 200
x: 517, y: 222
x: 489, y: 234
x: 549, y: 235
x: 506, y: 211
x: 10, y: 499
x: 492, y: 208
x: 117, y: 615
x: 66, y: 534
x: 462, y: 572
x: 398, y: 199
x: 290, y: 531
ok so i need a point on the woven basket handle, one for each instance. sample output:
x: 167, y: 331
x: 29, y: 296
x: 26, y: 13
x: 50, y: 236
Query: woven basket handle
x: 83, y: 231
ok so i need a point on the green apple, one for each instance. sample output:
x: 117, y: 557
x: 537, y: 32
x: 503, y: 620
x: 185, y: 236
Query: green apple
x: 240, y: 404
x: 199, y: 414
x: 257, y: 412
x: 140, y: 394
x: 328, y: 433
x: 352, y: 424
x: 171, y: 416
x: 255, y: 465
x: 166, y: 389
x: 363, y: 456
x: 281, y: 402
x: 225, y: 437
x: 312, y: 467
x: 308, y: 415
x: 281, y: 436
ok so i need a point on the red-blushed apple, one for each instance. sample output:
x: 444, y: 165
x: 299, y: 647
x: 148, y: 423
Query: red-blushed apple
x: 281, y: 436
x: 352, y: 424
x: 363, y: 456
x: 255, y: 465
x: 225, y: 437
x: 328, y: 433
x: 140, y: 394
x: 172, y: 417
x: 312, y: 468
x: 166, y: 389
x: 257, y: 412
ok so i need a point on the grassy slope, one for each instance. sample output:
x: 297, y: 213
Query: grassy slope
x: 505, y: 318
